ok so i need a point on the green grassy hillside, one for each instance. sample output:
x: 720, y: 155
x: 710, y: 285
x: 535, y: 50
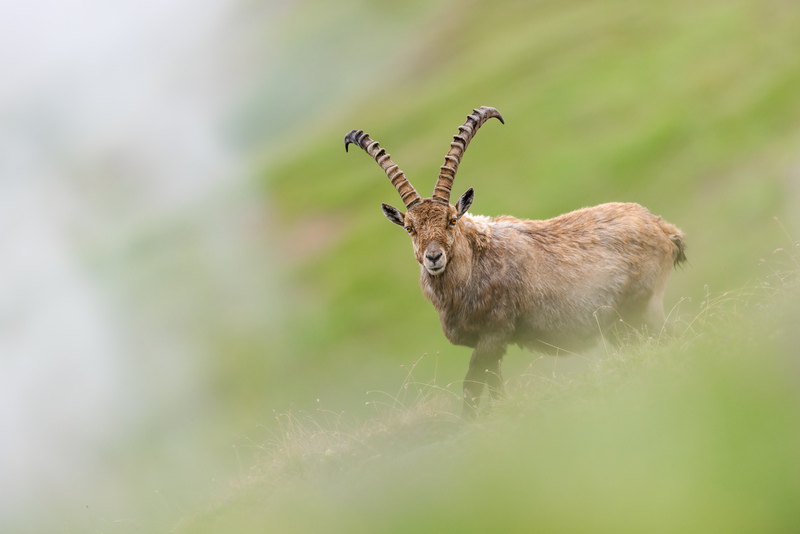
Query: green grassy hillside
x: 696, y: 434
x: 692, y: 110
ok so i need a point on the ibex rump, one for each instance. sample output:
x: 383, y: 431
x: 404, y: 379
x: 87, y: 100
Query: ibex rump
x: 550, y: 285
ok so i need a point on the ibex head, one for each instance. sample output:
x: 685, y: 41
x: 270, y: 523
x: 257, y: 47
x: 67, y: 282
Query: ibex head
x: 431, y: 222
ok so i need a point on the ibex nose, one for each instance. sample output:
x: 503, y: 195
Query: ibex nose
x: 433, y: 257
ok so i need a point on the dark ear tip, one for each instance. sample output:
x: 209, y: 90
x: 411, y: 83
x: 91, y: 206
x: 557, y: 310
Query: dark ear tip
x: 388, y: 208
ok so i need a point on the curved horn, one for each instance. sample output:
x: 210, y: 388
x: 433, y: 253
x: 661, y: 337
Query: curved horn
x: 460, y: 141
x: 399, y: 181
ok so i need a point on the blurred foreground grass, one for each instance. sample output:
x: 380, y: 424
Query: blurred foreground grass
x: 695, y: 434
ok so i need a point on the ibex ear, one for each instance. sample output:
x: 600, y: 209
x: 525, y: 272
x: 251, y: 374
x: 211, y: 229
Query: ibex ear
x: 394, y: 215
x: 465, y: 202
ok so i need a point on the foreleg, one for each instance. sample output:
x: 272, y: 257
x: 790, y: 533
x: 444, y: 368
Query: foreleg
x: 484, y: 369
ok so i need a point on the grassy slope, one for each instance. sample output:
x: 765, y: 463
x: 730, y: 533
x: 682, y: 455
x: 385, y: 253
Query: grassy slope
x: 697, y: 435
x: 690, y: 109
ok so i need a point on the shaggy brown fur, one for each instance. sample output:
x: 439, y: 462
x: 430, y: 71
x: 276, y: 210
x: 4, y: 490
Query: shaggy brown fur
x: 552, y: 285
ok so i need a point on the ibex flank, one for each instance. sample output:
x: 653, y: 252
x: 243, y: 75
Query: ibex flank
x: 553, y: 286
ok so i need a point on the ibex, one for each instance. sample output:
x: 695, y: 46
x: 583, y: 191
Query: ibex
x: 553, y: 285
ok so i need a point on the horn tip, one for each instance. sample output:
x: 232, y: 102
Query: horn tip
x: 351, y: 137
x: 493, y: 113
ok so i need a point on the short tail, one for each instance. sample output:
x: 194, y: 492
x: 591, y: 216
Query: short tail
x: 680, y: 246
x: 677, y: 238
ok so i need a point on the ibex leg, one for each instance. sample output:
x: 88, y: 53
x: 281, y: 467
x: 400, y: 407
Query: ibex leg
x: 484, y: 369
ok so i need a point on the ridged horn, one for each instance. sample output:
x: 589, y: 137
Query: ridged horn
x: 460, y: 141
x: 399, y: 181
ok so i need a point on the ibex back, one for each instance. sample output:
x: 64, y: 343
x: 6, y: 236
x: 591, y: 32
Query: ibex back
x: 552, y: 285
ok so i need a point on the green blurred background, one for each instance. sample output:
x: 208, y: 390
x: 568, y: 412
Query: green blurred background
x: 196, y: 177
